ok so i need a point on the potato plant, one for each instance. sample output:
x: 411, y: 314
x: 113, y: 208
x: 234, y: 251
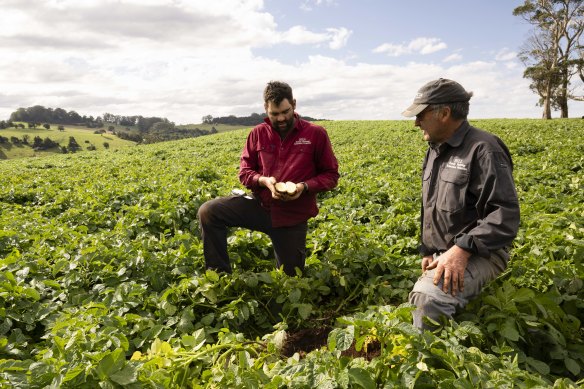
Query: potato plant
x: 102, y: 279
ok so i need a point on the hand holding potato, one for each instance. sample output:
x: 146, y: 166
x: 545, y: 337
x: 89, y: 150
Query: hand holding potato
x: 288, y: 188
x: 287, y: 191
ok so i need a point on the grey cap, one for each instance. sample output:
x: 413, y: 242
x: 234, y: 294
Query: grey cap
x: 439, y: 91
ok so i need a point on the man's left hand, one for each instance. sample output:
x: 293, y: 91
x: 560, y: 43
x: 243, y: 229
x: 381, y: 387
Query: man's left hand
x: 287, y: 197
x: 451, y: 265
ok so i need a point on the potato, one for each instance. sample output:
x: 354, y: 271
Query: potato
x: 286, y: 187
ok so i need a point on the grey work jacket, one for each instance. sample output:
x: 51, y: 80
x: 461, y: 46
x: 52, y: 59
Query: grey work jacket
x: 468, y: 194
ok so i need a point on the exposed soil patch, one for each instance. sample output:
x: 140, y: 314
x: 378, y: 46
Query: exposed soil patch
x: 305, y: 340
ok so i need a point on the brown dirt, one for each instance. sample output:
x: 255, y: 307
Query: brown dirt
x: 305, y: 340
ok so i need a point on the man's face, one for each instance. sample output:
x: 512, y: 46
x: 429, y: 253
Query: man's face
x: 282, y: 115
x: 429, y: 122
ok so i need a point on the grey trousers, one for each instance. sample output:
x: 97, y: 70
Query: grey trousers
x: 218, y: 215
x: 432, y: 302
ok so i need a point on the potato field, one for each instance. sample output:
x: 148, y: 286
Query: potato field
x: 102, y: 279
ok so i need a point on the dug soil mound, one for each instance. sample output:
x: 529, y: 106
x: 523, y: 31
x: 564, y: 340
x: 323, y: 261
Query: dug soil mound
x: 305, y: 340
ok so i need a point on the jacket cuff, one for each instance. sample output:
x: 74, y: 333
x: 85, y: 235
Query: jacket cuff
x: 312, y: 185
x: 256, y: 181
x: 424, y: 251
x: 468, y: 243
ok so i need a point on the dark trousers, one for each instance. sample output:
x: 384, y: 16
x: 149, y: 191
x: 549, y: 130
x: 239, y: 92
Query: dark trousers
x: 216, y: 216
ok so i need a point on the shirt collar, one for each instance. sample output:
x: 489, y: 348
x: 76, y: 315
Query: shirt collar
x: 456, y: 139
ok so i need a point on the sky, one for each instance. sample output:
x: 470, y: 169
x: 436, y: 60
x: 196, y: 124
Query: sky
x: 185, y: 59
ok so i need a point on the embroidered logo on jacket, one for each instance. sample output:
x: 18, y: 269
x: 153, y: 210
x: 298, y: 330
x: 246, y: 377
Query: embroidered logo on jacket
x: 302, y: 141
x: 456, y: 163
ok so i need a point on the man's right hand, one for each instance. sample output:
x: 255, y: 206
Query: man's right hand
x: 269, y: 182
x: 450, y: 267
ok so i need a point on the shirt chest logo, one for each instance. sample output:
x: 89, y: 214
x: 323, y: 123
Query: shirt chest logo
x: 456, y: 163
x: 302, y: 141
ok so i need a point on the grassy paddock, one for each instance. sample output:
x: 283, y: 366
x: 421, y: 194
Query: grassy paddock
x: 83, y: 135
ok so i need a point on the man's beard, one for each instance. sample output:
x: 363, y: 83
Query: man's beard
x: 289, y: 125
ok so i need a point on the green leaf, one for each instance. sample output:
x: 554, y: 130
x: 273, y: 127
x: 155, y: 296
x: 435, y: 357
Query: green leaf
x: 509, y: 330
x: 244, y: 360
x: 443, y: 375
x: 212, y: 275
x: 251, y: 280
x: 539, y: 366
x: 341, y: 338
x: 111, y: 363
x: 168, y: 308
x: 492, y: 300
x: 572, y: 366
x: 10, y: 277
x: 304, y: 310
x: 126, y: 376
x: 32, y: 293
x: 266, y: 278
x: 294, y: 295
x: 361, y: 377
x: 523, y: 295
x: 210, y: 295
x: 196, y: 341
x: 72, y: 373
x: 14, y: 365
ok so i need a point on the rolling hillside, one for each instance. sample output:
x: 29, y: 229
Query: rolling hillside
x: 85, y: 137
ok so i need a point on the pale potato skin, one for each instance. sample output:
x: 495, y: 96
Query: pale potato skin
x: 290, y: 187
x: 286, y: 187
x: 280, y: 187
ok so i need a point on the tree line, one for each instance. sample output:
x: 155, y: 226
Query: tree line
x: 252, y: 120
x: 162, y: 132
x: 38, y: 114
x: 136, y: 128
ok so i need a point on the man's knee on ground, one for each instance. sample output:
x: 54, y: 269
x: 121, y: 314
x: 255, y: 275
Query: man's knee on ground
x: 429, y: 305
x: 205, y: 212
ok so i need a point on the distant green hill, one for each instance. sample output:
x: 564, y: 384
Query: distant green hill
x: 88, y: 138
x: 85, y: 137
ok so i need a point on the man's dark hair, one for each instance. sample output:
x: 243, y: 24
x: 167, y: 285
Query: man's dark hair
x: 277, y: 91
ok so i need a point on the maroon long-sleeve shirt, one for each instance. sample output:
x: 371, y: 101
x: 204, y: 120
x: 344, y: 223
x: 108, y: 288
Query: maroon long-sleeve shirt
x: 305, y: 155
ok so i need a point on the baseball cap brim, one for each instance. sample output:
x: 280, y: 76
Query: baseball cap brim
x: 414, y: 109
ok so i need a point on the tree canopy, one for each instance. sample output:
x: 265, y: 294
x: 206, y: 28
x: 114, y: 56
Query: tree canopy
x: 40, y: 114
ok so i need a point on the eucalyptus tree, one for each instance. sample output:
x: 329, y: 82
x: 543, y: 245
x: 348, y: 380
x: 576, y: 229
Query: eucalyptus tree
x: 553, y: 53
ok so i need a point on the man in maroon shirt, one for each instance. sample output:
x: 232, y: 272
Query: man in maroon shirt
x: 283, y: 148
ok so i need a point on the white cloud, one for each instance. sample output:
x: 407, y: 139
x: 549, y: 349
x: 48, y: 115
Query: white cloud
x: 307, y: 4
x: 506, y: 55
x: 420, y: 45
x: 456, y: 57
x: 298, y: 35
x: 338, y: 37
